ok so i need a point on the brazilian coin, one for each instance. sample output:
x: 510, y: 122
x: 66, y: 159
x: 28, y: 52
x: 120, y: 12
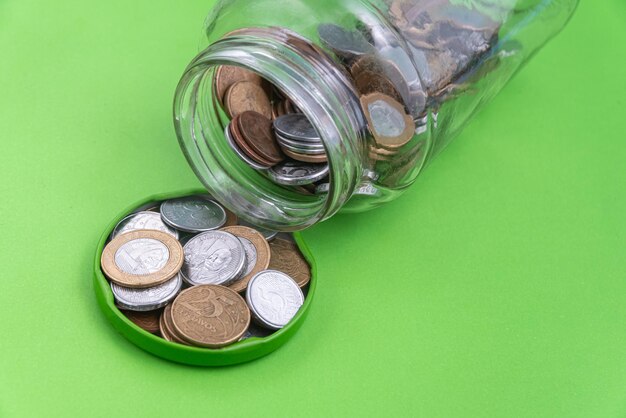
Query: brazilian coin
x: 245, y: 95
x: 274, y: 298
x: 390, y: 125
x: 306, y: 157
x: 244, y: 157
x: 213, y: 257
x: 167, y: 328
x: 295, y: 173
x: 346, y: 44
x: 147, y: 299
x: 227, y: 75
x: 257, y: 254
x: 143, y: 220
x: 268, y: 234
x: 193, y: 214
x: 141, y: 259
x: 148, y: 321
x: 256, y: 130
x: 210, y: 316
x: 296, y: 126
x: 286, y: 257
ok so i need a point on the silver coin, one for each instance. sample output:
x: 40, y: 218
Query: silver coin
x: 296, y: 126
x: 274, y: 298
x: 344, y: 43
x: 239, y: 152
x: 193, y: 214
x: 268, y: 234
x: 251, y: 255
x: 296, y: 173
x: 142, y: 256
x: 301, y: 146
x: 254, y: 331
x: 213, y: 257
x: 143, y: 220
x: 322, y: 188
x: 147, y: 299
x: 387, y: 121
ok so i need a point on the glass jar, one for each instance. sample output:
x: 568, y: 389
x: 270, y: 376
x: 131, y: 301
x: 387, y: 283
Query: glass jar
x: 386, y: 83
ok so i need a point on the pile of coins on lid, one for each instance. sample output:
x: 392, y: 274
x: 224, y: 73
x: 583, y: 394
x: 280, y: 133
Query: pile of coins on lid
x: 432, y: 51
x: 186, y: 269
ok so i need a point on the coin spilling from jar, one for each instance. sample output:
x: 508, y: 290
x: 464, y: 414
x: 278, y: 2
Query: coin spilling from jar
x: 187, y: 270
x: 446, y: 49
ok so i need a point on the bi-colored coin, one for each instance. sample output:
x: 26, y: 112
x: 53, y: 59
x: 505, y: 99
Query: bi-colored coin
x: 286, y: 257
x: 210, y: 316
x: 387, y: 121
x: 243, y: 96
x: 257, y: 254
x: 193, y: 214
x: 274, y: 298
x: 141, y: 259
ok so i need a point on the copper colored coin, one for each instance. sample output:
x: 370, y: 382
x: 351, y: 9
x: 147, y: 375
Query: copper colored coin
x: 148, y: 321
x: 286, y: 257
x: 210, y: 316
x: 371, y: 82
x: 227, y: 75
x: 245, y: 95
x: 320, y: 158
x: 261, y: 257
x: 256, y: 130
x: 243, y: 145
x: 231, y: 218
x: 166, y: 326
x: 387, y: 120
x: 142, y: 258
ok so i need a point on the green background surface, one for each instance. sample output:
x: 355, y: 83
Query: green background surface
x: 494, y: 288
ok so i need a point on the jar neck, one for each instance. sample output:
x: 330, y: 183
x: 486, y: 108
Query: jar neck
x: 314, y: 83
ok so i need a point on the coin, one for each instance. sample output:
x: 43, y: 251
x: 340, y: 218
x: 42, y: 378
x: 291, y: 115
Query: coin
x: 344, y: 43
x: 213, y: 257
x: 141, y: 259
x: 256, y: 130
x: 244, y: 157
x: 167, y: 329
x: 210, y: 316
x: 286, y: 257
x: 269, y: 235
x: 148, y: 321
x: 142, y: 220
x: 147, y: 299
x: 296, y: 126
x: 227, y: 75
x: 391, y: 126
x: 254, y: 331
x: 243, y: 96
x: 307, y: 158
x: 295, y: 173
x: 370, y: 82
x: 244, y: 146
x: 193, y: 214
x: 231, y: 218
x: 274, y: 298
x: 257, y: 253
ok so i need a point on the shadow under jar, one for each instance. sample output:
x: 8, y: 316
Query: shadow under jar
x: 385, y: 84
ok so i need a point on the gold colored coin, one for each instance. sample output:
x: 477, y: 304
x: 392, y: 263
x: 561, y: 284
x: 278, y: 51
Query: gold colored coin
x: 167, y: 328
x: 210, y: 316
x: 142, y: 258
x: 148, y: 321
x: 286, y: 257
x: 227, y: 75
x: 262, y: 256
x: 245, y: 95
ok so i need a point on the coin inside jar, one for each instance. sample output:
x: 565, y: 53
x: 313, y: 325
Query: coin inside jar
x: 296, y: 173
x: 243, y: 96
x: 257, y: 254
x: 390, y: 125
x: 213, y: 257
x: 210, y: 316
x: 274, y: 298
x: 193, y: 214
x: 141, y: 259
x: 227, y: 75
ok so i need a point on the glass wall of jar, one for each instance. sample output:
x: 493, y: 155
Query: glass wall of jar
x: 297, y: 109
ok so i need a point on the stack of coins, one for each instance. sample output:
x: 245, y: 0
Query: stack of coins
x: 446, y: 47
x: 189, y: 271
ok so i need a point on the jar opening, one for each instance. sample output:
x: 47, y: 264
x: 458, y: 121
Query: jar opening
x: 312, y: 82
